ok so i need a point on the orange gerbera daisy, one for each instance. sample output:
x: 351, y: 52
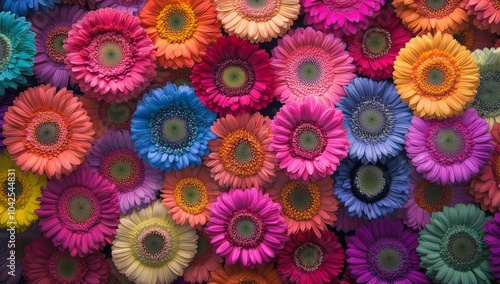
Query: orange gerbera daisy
x: 235, y: 274
x: 241, y: 157
x: 47, y: 131
x: 431, y: 16
x: 436, y: 76
x: 181, y: 30
x: 306, y: 205
x: 188, y: 194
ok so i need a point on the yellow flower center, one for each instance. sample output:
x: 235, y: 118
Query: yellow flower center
x: 176, y: 23
x: 432, y: 197
x: 300, y: 201
x: 435, y: 74
x: 241, y: 153
x: 191, y: 195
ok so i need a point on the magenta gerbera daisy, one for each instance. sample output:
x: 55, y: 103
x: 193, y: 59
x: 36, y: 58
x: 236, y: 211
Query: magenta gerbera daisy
x: 234, y: 76
x: 342, y: 17
x: 113, y: 157
x: 452, y: 150
x: 492, y: 240
x: 246, y: 226
x: 110, y: 55
x: 309, y: 259
x: 309, y: 140
x: 309, y: 63
x: 79, y: 212
x: 375, y: 48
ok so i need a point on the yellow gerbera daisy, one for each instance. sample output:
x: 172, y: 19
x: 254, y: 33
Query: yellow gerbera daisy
x: 18, y: 196
x: 436, y: 76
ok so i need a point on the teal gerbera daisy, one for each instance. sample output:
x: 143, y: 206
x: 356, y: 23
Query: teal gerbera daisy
x: 171, y: 128
x: 452, y: 247
x: 17, y: 51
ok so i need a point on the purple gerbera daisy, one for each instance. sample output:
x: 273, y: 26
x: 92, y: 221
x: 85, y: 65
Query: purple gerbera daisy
x: 492, y: 240
x: 131, y: 6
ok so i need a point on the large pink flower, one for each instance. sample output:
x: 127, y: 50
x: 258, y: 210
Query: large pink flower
x: 485, y: 14
x: 110, y: 55
x: 309, y: 140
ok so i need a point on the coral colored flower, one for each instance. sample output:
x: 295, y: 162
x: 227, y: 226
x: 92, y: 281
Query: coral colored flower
x: 177, y: 77
x: 436, y: 75
x: 234, y: 76
x: 246, y: 227
x: 375, y: 48
x: 181, y: 30
x: 149, y: 247
x: 241, y: 156
x: 17, y: 45
x: 452, y: 247
x: 79, y: 212
x: 309, y: 140
x: 44, y: 263
x: 431, y: 16
x: 5, y: 103
x: 234, y: 274
x: 309, y: 63
x: 383, y: 251
x: 204, y: 262
x: 51, y: 31
x: 492, y: 240
x: 188, y: 195
x: 306, y: 205
x: 342, y: 17
x: 485, y: 14
x: 257, y: 21
x: 113, y: 157
x: 110, y: 55
x: 131, y: 6
x: 47, y: 131
x: 449, y: 151
x: 311, y: 259
x: 345, y: 222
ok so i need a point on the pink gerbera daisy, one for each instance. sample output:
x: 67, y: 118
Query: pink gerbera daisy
x: 204, y: 262
x: 309, y: 63
x: 345, y: 222
x: 110, y: 55
x: 485, y: 14
x: 451, y: 150
x: 375, y: 48
x: 246, y: 226
x: 311, y: 259
x: 342, y: 17
x: 113, y: 157
x: 309, y: 140
x: 234, y: 76
x: 79, y: 212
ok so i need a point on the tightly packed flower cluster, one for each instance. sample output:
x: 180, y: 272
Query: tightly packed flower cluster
x: 249, y: 141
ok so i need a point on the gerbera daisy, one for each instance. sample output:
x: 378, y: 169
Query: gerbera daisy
x: 51, y: 30
x: 44, y: 263
x: 431, y: 16
x: 375, y: 48
x: 181, y: 30
x: 306, y: 205
x: 235, y: 274
x: 241, y: 156
x: 311, y: 259
x: 131, y: 6
x: 25, y: 7
x: 110, y: 55
x: 375, y: 118
x: 246, y: 226
x: 340, y: 16
x: 451, y: 247
x: 436, y: 75
x: 17, y: 46
x: 427, y: 197
x: 171, y: 128
x: 449, y: 151
x: 383, y: 251
x: 257, y: 21
x: 204, y: 262
x: 188, y: 195
x: 345, y: 222
x: 309, y: 140
x: 309, y: 63
x: 47, y: 131
x: 113, y: 157
x: 5, y: 102
x: 149, y: 247
x: 492, y: 240
x: 485, y: 14
x: 487, y: 99
x: 22, y: 187
x: 177, y: 77
x: 473, y: 38
x: 79, y: 212
x: 234, y: 77
x: 372, y: 190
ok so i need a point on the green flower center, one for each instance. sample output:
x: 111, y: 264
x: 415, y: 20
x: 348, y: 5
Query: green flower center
x: 118, y: 113
x: 121, y: 170
x: 234, y: 76
x: 176, y: 22
x: 111, y: 54
x: 487, y: 100
x: 300, y: 198
x: 436, y: 4
x: 154, y: 243
x: 436, y: 77
x: 449, y: 141
x: 81, y: 208
x: 390, y: 259
x: 174, y: 130
x: 245, y: 228
x: 462, y: 248
x: 370, y: 180
x: 376, y: 42
x: 256, y: 3
x: 243, y: 153
x: 308, y: 257
x: 5, y: 50
x: 372, y: 121
x: 47, y: 133
x: 309, y: 71
x: 191, y: 195
x: 202, y: 246
x: 434, y: 193
x: 309, y: 140
x: 67, y: 267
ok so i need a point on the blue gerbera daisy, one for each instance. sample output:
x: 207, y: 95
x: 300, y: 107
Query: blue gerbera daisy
x: 372, y: 190
x: 24, y: 7
x: 171, y: 128
x: 17, y: 51
x: 376, y: 120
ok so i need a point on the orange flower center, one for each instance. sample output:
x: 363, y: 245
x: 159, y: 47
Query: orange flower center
x: 465, y: 38
x: 241, y: 153
x: 432, y: 197
x: 495, y: 159
x: 247, y: 277
x: 496, y: 4
x: 191, y: 195
x: 436, y: 8
x: 435, y: 74
x: 300, y: 201
x: 176, y: 23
